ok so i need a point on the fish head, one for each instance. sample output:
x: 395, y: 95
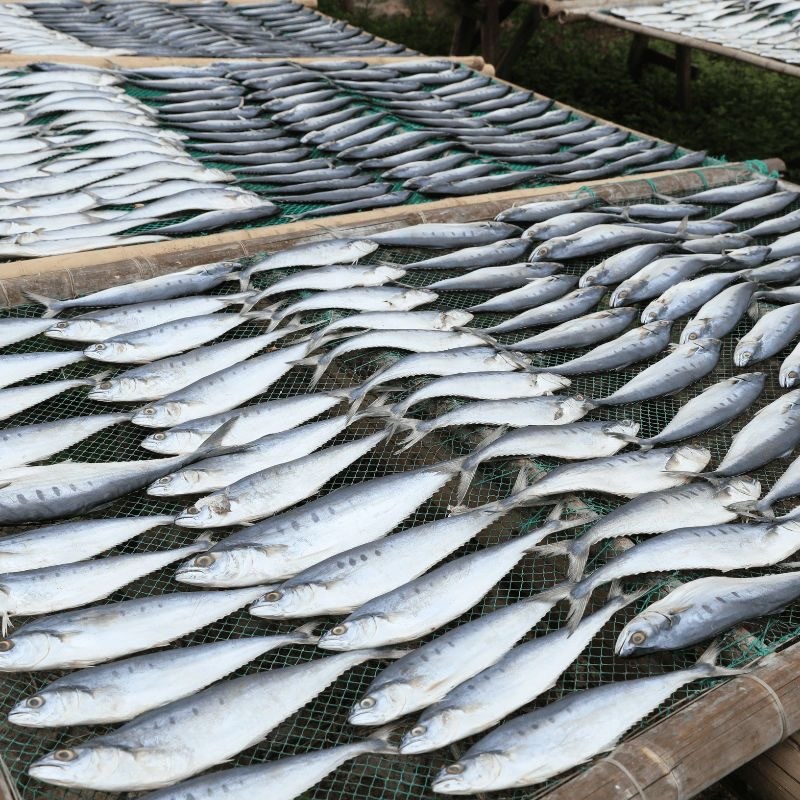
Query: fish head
x: 158, y: 415
x: 688, y: 458
x: 379, y: 707
x: 745, y: 351
x: 470, y: 775
x: 696, y: 329
x: 385, y: 273
x: 548, y: 382
x: 508, y: 361
x: 280, y: 602
x: 79, y: 329
x: 654, y: 311
x: 24, y: 651
x: 789, y: 376
x: 417, y: 297
x: 432, y: 730
x: 47, y: 709
x: 593, y: 276
x: 111, y: 389
x: 741, y: 489
x: 542, y: 252
x: 352, y: 634
x: 203, y: 513
x: 573, y: 408
x: 115, y: 352
x: 181, y: 482
x: 237, y: 566
x: 174, y: 442
x: 78, y: 766
x: 453, y: 319
x: 621, y: 295
x: 362, y: 247
x: 644, y: 634
x: 621, y: 428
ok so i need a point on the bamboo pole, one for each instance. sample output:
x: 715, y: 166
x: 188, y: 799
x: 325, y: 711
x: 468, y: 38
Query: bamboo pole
x: 688, y: 41
x: 700, y: 743
x: 70, y: 275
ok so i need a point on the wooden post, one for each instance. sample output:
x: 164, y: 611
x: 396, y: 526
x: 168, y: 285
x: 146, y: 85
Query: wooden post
x: 490, y: 31
x: 526, y: 29
x: 683, y: 71
x: 636, y: 56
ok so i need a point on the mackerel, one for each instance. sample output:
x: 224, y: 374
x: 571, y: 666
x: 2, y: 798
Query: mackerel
x: 774, y: 227
x: 446, y: 235
x: 510, y: 276
x: 759, y: 207
x: 563, y: 309
x: 21, y: 366
x: 484, y: 255
x: 622, y: 265
x: 597, y: 239
x: 774, y: 331
x: 687, y: 296
x: 543, y: 210
x: 398, y: 320
x: 532, y: 294
x: 719, y: 315
x: 580, y: 332
x: 20, y: 398
x: 732, y: 195
x: 331, y: 277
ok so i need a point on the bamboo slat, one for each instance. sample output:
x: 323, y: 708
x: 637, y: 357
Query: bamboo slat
x: 66, y: 276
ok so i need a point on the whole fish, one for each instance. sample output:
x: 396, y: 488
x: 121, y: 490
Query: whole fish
x: 722, y: 548
x: 275, y: 448
x: 532, y: 294
x: 633, y: 346
x: 722, y: 242
x: 274, y: 489
x: 712, y: 408
x: 25, y: 444
x: 343, y: 582
x: 371, y: 298
x: 484, y: 255
x: 279, y: 548
x: 677, y: 211
x: 783, y: 246
x: 19, y: 398
x: 759, y: 207
x: 101, y: 633
x: 334, y: 276
x: 510, y: 276
x: 48, y: 589
x: 446, y: 235
x: 314, y: 254
x: 779, y: 225
x: 786, y: 294
x: 529, y: 749
x: 660, y: 275
x: 597, y: 239
x: 168, y: 339
x: 57, y: 490
x: 18, y: 329
x: 732, y: 195
x: 546, y: 410
x: 528, y: 213
x: 427, y: 674
x: 99, y: 325
x: 687, y: 296
x: 774, y: 331
x: 120, y: 691
x: 685, y: 365
x: 622, y: 265
x: 565, y: 224
x: 699, y: 503
x: 524, y: 673
x: 580, y: 332
x: 484, y: 386
x: 625, y: 474
x: 221, y: 391
x: 772, y: 433
x: 174, y: 742
x: 790, y: 369
x: 68, y: 542
x: 282, y: 779
x: 411, y: 611
x: 703, y: 608
x: 719, y: 315
x: 398, y: 320
x: 563, y: 309
x: 574, y: 441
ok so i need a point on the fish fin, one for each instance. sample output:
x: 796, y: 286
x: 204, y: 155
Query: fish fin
x: 6, y: 624
x: 665, y: 197
x: 203, y: 542
x: 378, y: 741
x: 416, y: 433
x: 257, y: 316
x: 707, y: 665
x: 471, y: 465
x: 617, y: 595
x: 306, y: 632
x: 577, y: 551
x: 93, y: 380
x: 578, y: 598
x: 52, y: 306
x: 213, y: 444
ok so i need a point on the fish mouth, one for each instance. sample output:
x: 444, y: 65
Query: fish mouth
x: 192, y: 575
x: 409, y: 747
x: 448, y: 785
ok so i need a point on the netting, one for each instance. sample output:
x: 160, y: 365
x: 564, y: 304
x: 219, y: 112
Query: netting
x: 323, y: 722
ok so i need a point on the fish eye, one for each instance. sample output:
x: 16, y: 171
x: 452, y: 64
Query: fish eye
x: 638, y: 637
x: 65, y: 754
x: 35, y: 702
x: 165, y: 479
x: 62, y: 325
x: 6, y: 645
x: 454, y: 769
x: 99, y: 347
x: 367, y: 702
x: 272, y: 597
x: 792, y: 374
x: 338, y: 630
x: 104, y: 384
x: 149, y: 411
x: 418, y: 730
x: 158, y: 437
x: 204, y: 561
x: 692, y: 336
x: 579, y: 397
x: 192, y: 510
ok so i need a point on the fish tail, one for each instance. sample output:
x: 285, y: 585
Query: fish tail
x: 379, y: 741
x: 202, y: 542
x: 665, y: 197
x: 52, y: 306
x: 417, y: 432
x: 468, y: 471
x: 244, y: 279
x: 579, y: 598
x: 577, y: 551
x: 619, y: 597
x: 356, y: 398
x: 257, y: 316
x: 254, y: 298
x: 377, y: 408
x: 753, y: 509
x: 320, y: 367
x: 707, y: 666
x: 93, y: 380
x: 305, y: 633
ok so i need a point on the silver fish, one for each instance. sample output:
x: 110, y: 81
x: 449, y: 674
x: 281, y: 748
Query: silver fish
x: 786, y: 294
x: 425, y: 675
x: 532, y: 294
x: 597, y: 239
x: 622, y: 265
x: 580, y: 332
x: 92, y: 635
x: 779, y: 225
x: 18, y: 398
x: 529, y: 749
x: 398, y: 320
x: 524, y: 673
x: 563, y: 309
x: 20, y: 367
x: 279, y: 548
x: 687, y: 296
x: 722, y: 548
x: 574, y: 441
x: 484, y: 255
x: 274, y: 489
x: 446, y: 234
x: 565, y: 224
x: 410, y: 611
x: 717, y: 244
x: 774, y: 331
x: 699, y: 503
x: 785, y: 246
x: 333, y: 276
x: 731, y: 195
x: 685, y: 365
x: 18, y: 329
x: 509, y: 276
x: 719, y: 315
x: 120, y: 691
x: 176, y: 741
x: 759, y: 207
x: 542, y: 210
x: 25, y: 444
x: 703, y: 608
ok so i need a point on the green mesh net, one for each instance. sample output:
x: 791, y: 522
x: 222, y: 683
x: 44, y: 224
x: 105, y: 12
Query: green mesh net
x: 323, y: 722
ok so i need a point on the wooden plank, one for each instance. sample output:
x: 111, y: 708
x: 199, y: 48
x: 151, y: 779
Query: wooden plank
x: 775, y: 775
x: 702, y: 742
x: 66, y: 276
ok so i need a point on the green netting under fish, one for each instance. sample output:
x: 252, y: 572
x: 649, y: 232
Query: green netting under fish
x: 323, y: 722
